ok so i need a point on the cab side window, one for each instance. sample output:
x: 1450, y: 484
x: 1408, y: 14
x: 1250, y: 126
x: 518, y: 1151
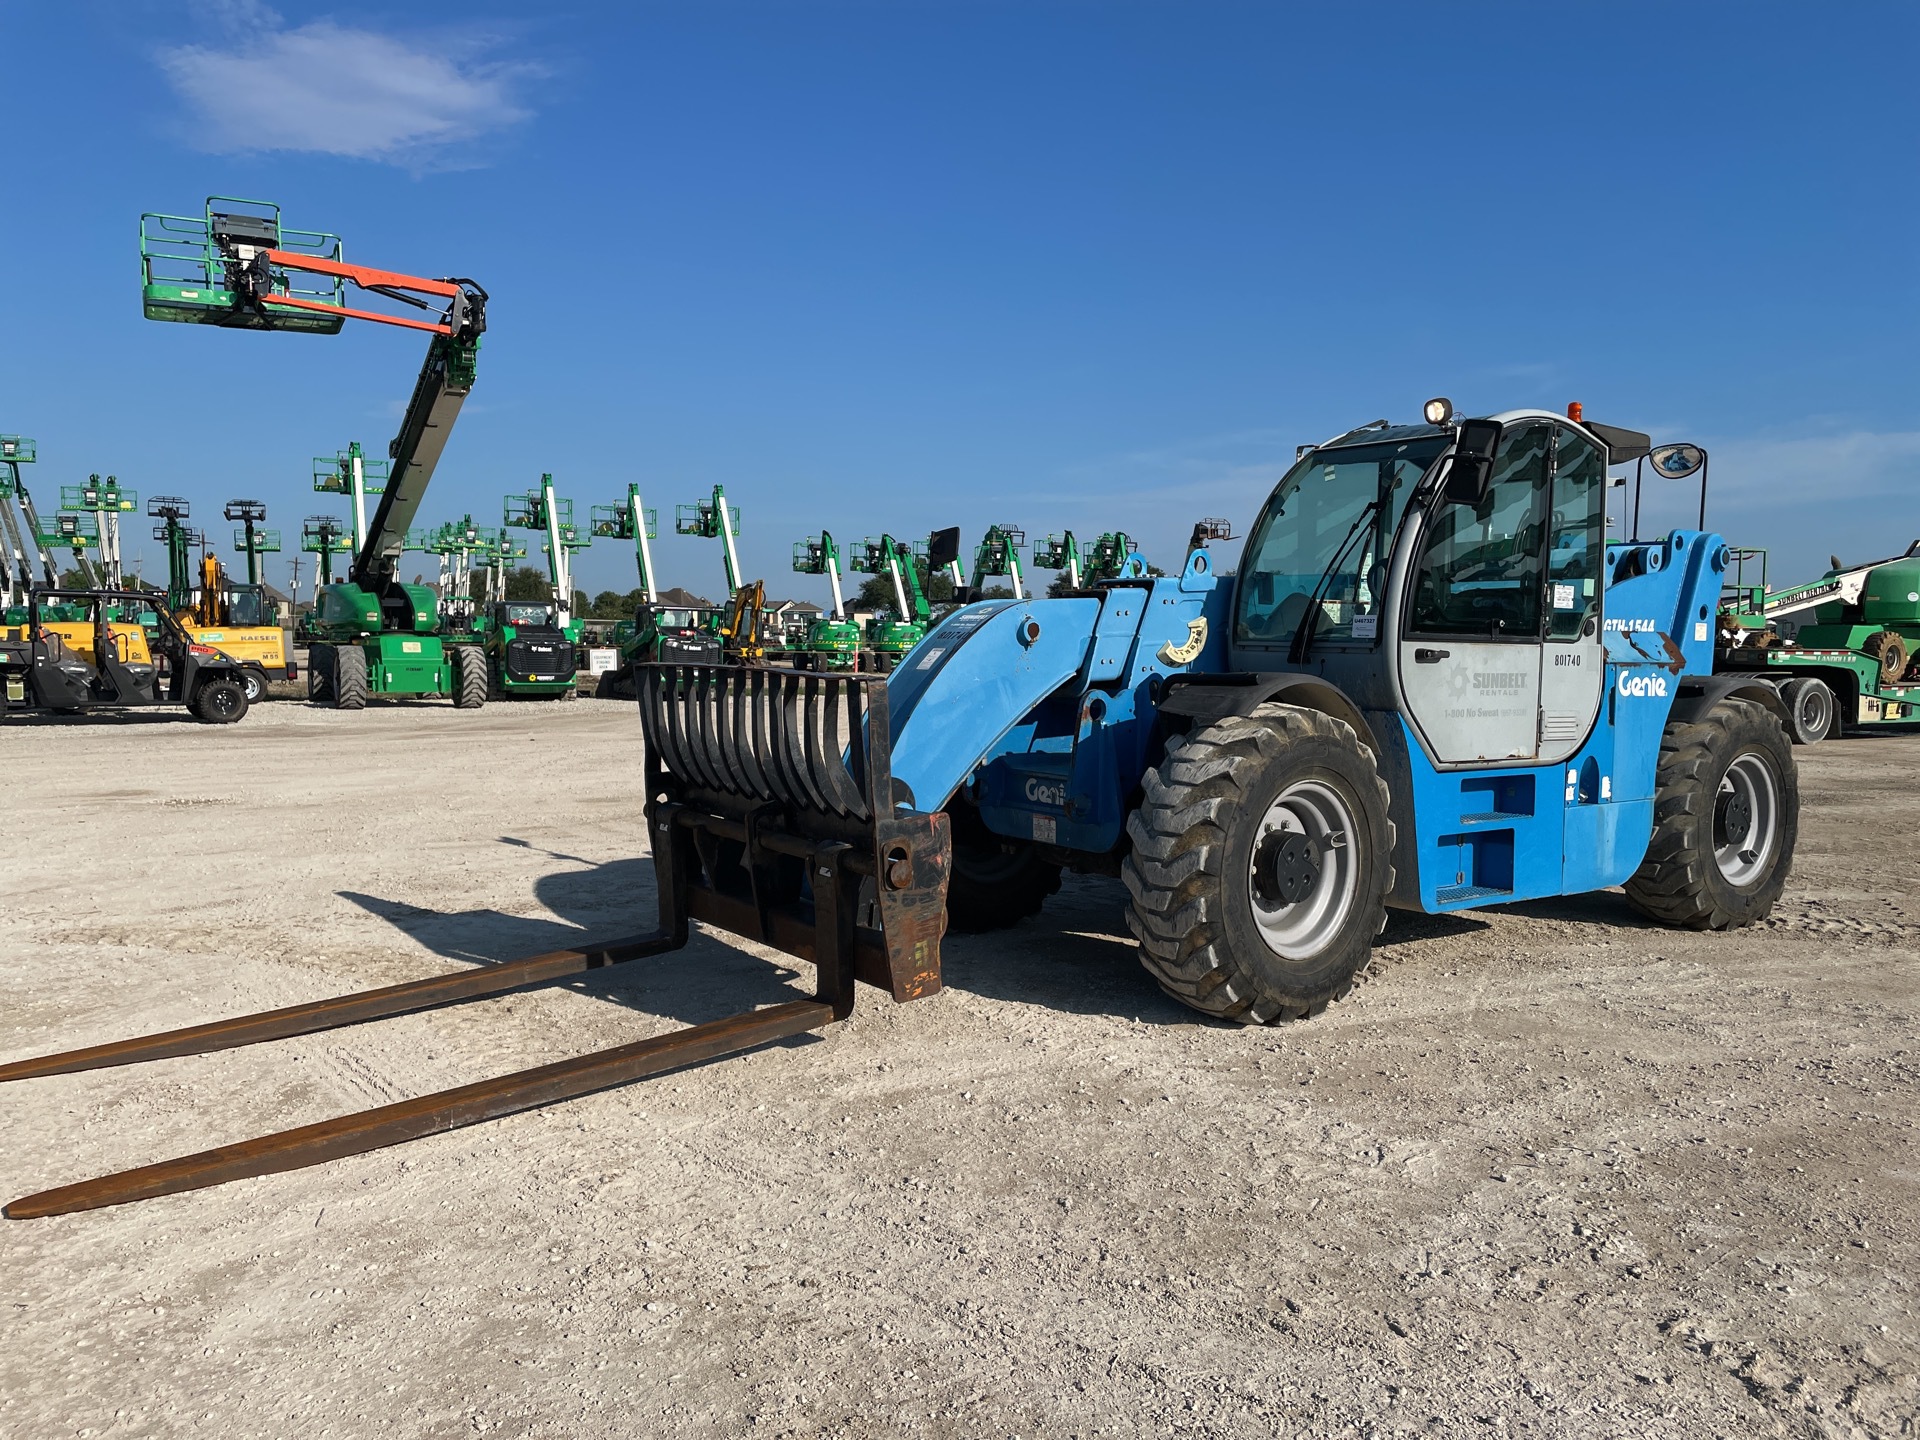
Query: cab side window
x: 1578, y: 529
x: 1481, y: 566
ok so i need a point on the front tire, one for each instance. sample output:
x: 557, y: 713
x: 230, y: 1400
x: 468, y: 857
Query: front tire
x: 1260, y: 867
x: 1811, y: 709
x: 995, y: 882
x: 1726, y: 816
x: 220, y: 701
x: 469, y: 678
x: 349, y: 678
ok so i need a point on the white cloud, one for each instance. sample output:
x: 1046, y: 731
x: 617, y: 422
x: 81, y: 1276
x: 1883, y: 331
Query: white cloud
x: 335, y: 89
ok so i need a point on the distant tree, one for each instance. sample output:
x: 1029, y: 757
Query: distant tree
x: 526, y: 583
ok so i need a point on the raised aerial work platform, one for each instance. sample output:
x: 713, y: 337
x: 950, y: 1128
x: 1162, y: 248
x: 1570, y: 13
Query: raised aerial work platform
x: 214, y: 269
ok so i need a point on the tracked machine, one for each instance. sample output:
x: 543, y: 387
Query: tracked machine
x: 1433, y: 684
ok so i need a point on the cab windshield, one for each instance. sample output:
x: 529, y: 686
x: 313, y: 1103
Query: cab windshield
x: 1327, y: 529
x: 528, y: 615
x: 245, y: 607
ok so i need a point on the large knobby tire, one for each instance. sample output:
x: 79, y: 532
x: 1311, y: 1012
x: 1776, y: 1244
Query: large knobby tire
x: 995, y: 882
x: 1812, y: 710
x: 1726, y: 814
x: 320, y: 674
x: 469, y: 677
x: 219, y: 701
x: 1889, y: 647
x: 349, y: 678
x: 1262, y: 857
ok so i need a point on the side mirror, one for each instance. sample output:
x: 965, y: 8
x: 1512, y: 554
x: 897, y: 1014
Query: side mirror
x: 1472, y: 465
x: 943, y: 548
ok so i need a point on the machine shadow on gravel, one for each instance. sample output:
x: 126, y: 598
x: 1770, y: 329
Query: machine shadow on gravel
x: 706, y: 981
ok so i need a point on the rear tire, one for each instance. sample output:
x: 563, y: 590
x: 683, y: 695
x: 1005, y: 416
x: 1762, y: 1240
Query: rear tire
x: 1726, y: 815
x: 995, y: 882
x: 255, y: 682
x: 1811, y: 709
x: 469, y: 678
x: 1262, y: 857
x: 349, y: 678
x: 219, y: 701
x: 320, y: 674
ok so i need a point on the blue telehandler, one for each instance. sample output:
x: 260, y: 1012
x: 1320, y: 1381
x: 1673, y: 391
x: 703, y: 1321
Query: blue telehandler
x: 1433, y: 684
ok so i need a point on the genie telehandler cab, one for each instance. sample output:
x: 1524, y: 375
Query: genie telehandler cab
x: 1434, y: 684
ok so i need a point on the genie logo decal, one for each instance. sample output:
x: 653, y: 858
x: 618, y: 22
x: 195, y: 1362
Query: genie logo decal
x: 1642, y: 685
x: 1047, y: 792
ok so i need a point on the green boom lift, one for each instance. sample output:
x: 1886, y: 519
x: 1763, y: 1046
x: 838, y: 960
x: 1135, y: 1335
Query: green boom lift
x: 106, y: 501
x: 238, y: 267
x: 833, y: 641
x: 1111, y: 557
x: 23, y: 531
x: 657, y: 631
x: 531, y: 646
x: 890, y: 637
x: 999, y: 554
x: 170, y: 510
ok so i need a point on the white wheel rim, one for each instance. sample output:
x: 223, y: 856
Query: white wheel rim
x: 1815, y: 703
x: 1303, y: 929
x: 1749, y: 781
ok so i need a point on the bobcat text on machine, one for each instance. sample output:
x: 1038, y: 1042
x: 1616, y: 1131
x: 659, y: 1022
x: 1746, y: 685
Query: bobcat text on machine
x: 1433, y: 684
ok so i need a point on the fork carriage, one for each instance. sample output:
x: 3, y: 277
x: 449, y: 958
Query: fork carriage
x: 773, y: 814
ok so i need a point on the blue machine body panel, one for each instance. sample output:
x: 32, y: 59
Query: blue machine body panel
x: 1051, y: 729
x: 1497, y: 834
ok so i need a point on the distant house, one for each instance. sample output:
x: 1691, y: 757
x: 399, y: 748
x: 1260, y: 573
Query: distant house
x: 683, y: 599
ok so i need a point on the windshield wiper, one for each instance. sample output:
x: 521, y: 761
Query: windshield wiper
x: 1310, y: 621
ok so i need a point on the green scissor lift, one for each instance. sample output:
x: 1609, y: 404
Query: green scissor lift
x: 833, y: 641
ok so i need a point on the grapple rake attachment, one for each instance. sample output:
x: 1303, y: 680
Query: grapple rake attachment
x: 773, y: 815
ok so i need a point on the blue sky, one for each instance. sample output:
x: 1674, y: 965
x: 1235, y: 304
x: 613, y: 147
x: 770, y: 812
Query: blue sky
x: 896, y: 266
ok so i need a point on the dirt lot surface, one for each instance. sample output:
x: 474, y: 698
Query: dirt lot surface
x: 1555, y: 1172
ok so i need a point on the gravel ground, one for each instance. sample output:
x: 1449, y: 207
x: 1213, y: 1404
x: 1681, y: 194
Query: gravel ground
x: 1555, y: 1172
